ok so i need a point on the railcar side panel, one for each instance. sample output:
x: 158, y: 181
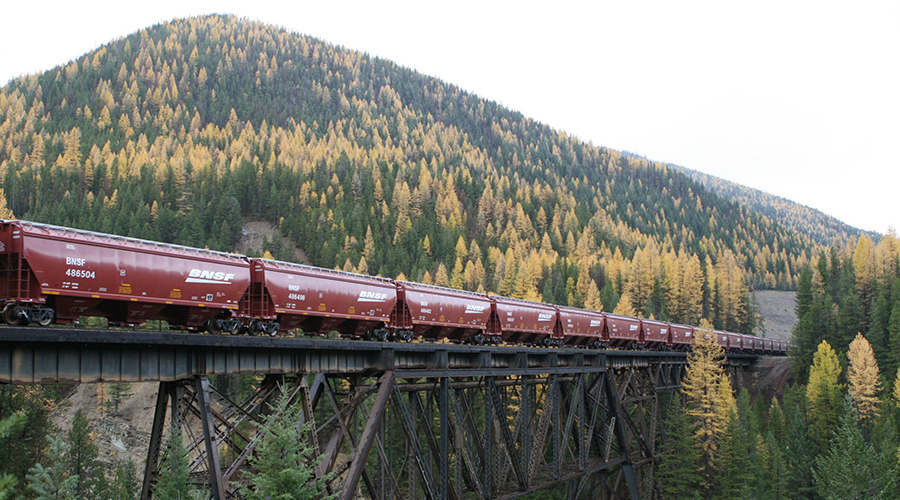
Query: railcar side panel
x: 123, y: 279
x: 320, y: 301
x: 433, y: 312
x: 520, y: 321
x: 622, y: 331
x: 682, y: 336
x: 581, y: 327
x: 654, y: 334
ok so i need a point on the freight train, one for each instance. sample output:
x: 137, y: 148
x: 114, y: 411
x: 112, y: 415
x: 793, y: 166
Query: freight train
x: 51, y: 274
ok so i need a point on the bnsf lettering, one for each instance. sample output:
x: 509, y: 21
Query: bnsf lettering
x: 544, y: 317
x: 72, y: 261
x: 595, y: 322
x: 294, y: 288
x: 367, y: 296
x: 633, y: 327
x: 204, y: 276
x: 471, y: 308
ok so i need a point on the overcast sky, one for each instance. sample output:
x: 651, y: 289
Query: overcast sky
x: 800, y: 99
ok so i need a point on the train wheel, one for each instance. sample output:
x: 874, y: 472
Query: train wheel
x: 478, y: 339
x: 256, y: 327
x: 272, y: 329
x: 214, y: 326
x: 46, y: 316
x: 406, y: 335
x: 11, y: 315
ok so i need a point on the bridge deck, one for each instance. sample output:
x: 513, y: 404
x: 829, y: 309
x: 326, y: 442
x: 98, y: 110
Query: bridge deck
x: 58, y: 355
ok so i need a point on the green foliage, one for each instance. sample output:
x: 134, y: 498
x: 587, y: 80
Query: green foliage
x: 9, y: 425
x: 679, y: 458
x: 174, y: 474
x: 117, y: 392
x: 282, y: 467
x: 125, y: 484
x: 81, y: 458
x: 737, y: 457
x: 54, y: 481
x: 852, y: 469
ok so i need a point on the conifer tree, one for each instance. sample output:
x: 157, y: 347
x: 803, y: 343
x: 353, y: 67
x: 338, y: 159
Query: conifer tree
x: 82, y: 457
x: 9, y: 425
x: 679, y: 457
x: 799, y: 450
x: 53, y: 482
x: 851, y: 468
x: 864, y: 385
x: 823, y: 394
x: 710, y: 400
x: 282, y: 466
x: 174, y: 477
x: 736, y: 455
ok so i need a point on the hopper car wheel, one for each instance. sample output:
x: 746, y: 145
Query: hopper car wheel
x: 546, y: 342
x: 272, y: 329
x: 45, y: 316
x: 214, y: 326
x: 11, y: 315
x: 406, y: 335
x: 478, y: 339
x: 256, y: 327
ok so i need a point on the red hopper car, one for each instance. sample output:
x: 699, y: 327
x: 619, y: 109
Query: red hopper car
x: 52, y: 274
x: 285, y: 296
x: 581, y: 327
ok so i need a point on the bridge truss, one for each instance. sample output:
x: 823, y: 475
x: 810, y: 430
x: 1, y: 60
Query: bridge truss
x: 389, y: 421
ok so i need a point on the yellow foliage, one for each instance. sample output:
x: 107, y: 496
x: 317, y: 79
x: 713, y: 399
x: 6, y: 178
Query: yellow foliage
x: 862, y: 375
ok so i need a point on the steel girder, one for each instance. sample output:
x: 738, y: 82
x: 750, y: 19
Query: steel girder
x: 396, y: 434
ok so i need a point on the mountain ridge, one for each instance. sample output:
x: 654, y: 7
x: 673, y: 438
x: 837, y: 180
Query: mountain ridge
x: 184, y: 130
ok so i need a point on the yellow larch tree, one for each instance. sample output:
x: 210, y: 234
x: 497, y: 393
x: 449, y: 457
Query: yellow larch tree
x: 823, y: 393
x: 709, y: 394
x: 862, y: 377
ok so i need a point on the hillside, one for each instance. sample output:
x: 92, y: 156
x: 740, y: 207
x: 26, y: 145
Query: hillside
x: 818, y: 226
x: 185, y: 130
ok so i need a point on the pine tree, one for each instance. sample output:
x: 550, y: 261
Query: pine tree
x: 53, y: 482
x: 82, y: 457
x: 282, y: 467
x: 174, y: 475
x: 799, y: 448
x: 9, y: 425
x: 864, y: 385
x: 125, y: 485
x: 679, y: 459
x: 823, y: 394
x: 736, y: 456
x: 852, y: 469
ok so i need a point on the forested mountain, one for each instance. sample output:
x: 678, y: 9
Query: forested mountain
x: 183, y: 131
x: 820, y: 227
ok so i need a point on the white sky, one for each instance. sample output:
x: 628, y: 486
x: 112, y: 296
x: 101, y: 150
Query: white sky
x: 800, y: 99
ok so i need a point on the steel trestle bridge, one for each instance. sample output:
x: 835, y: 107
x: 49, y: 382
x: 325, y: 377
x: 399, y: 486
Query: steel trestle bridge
x: 388, y: 420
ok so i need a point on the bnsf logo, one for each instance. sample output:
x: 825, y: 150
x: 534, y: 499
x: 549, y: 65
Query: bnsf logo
x: 209, y: 277
x: 545, y: 317
x: 366, y: 296
x: 595, y: 322
x: 471, y: 308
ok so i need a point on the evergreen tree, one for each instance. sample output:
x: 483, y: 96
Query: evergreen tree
x: 799, y: 448
x: 7, y: 426
x: 737, y: 460
x: 852, y: 469
x: 679, y: 457
x: 53, y: 482
x: 174, y: 474
x: 82, y: 457
x: 282, y: 467
x: 774, y: 477
x: 125, y: 485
